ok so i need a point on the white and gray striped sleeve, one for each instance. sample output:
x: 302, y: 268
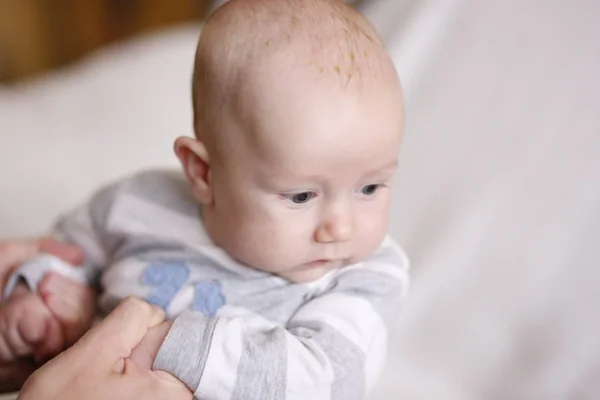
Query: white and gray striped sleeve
x: 332, y: 349
x: 82, y: 226
x: 86, y: 226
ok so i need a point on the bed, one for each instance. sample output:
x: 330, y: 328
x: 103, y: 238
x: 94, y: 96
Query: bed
x: 496, y: 200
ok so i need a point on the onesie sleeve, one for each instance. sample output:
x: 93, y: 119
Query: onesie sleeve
x: 85, y: 226
x: 333, y: 348
x: 88, y: 227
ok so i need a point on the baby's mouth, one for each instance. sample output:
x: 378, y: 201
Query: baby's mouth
x: 323, y: 263
x: 319, y: 263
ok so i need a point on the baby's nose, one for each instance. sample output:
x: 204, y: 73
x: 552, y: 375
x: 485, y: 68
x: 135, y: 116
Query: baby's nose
x: 336, y: 230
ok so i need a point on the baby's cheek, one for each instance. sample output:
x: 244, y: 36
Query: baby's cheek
x: 288, y: 238
x: 268, y: 237
x: 370, y: 234
x: 263, y: 254
x: 245, y: 245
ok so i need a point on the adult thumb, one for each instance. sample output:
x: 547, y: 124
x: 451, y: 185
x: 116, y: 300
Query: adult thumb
x: 113, y: 339
x: 70, y: 253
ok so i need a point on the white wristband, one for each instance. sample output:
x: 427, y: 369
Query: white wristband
x: 34, y: 270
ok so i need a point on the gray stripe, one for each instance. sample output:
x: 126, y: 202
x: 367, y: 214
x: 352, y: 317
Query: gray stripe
x: 347, y: 360
x: 262, y: 372
x: 185, y: 349
x: 69, y: 229
x: 166, y: 188
x: 383, y: 291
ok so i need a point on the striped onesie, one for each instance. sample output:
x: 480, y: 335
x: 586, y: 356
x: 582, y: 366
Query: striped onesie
x: 238, y: 333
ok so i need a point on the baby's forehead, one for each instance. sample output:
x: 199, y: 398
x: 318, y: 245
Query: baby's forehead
x: 301, y: 120
x: 256, y: 57
x: 292, y: 157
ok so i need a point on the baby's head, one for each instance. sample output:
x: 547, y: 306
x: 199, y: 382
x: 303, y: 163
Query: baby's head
x: 298, y: 116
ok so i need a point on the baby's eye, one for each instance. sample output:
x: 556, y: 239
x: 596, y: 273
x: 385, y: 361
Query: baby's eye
x: 370, y: 190
x: 300, y: 198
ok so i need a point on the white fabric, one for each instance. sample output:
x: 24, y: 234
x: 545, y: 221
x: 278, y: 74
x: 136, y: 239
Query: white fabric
x: 497, y: 195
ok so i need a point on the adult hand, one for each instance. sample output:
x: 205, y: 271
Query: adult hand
x: 98, y: 366
x: 12, y: 254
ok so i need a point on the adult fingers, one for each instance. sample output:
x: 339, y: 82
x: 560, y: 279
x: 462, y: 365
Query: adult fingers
x: 165, y: 376
x: 113, y: 339
x: 32, y: 325
x: 145, y: 353
x: 73, y: 303
x: 70, y: 253
x: 161, y: 385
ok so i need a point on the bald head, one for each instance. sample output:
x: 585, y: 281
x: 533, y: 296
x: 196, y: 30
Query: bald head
x: 293, y: 97
x: 325, y: 39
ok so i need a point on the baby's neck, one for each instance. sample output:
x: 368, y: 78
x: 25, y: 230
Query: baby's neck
x: 207, y: 221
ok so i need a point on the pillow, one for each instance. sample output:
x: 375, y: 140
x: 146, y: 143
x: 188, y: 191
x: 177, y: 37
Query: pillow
x: 116, y: 112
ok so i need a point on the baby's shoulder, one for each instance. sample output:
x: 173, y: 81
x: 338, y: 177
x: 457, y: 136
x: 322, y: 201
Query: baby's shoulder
x: 166, y: 188
x: 147, y: 182
x: 149, y: 197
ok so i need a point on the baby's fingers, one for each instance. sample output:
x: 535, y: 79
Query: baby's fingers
x: 6, y: 352
x: 52, y: 343
x: 13, y: 345
x: 72, y: 303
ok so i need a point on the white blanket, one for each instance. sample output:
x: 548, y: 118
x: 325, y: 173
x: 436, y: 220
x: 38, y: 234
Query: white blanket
x: 497, y: 197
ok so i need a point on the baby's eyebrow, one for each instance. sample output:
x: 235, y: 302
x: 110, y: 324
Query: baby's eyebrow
x: 393, y: 164
x: 388, y: 166
x: 306, y: 178
x: 295, y: 176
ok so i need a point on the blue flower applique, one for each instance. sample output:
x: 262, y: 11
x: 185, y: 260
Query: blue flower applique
x: 166, y: 280
x: 208, y: 297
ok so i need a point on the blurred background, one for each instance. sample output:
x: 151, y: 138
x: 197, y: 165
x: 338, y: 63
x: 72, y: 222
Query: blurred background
x: 39, y: 35
x: 497, y: 198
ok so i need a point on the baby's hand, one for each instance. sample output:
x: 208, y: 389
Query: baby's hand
x: 145, y: 353
x: 27, y: 327
x: 44, y: 324
x: 72, y: 304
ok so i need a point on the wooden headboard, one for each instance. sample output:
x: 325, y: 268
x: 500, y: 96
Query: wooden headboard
x: 39, y: 35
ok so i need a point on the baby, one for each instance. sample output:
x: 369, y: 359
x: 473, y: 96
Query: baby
x: 269, y: 253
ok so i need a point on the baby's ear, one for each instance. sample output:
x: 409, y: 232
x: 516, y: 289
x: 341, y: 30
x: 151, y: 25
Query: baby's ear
x: 194, y: 159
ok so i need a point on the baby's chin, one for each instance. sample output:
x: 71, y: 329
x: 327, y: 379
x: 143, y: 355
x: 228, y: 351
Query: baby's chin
x: 310, y: 272
x: 304, y: 276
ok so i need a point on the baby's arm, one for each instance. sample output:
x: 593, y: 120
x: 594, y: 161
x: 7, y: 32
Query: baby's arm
x: 45, y: 310
x: 333, y: 348
x: 42, y: 324
x: 85, y: 227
